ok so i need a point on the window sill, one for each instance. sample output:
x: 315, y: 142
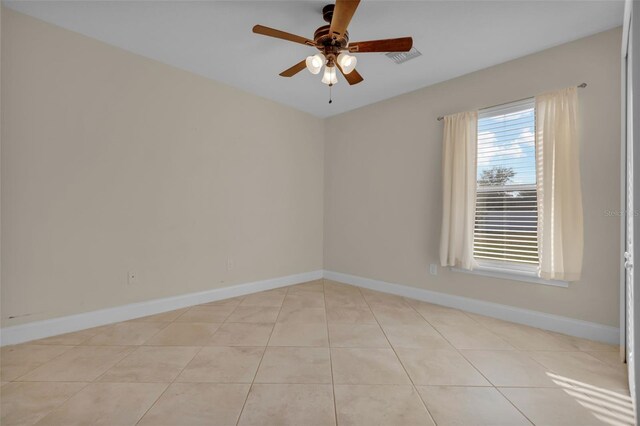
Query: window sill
x: 507, y: 271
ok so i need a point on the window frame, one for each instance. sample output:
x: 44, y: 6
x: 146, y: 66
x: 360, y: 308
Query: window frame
x: 526, y: 272
x: 530, y: 275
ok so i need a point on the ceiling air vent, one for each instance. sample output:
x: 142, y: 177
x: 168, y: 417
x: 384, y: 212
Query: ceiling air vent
x: 402, y: 57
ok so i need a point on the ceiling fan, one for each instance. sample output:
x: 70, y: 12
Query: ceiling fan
x: 333, y: 43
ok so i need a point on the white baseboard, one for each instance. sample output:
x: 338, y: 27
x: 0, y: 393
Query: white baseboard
x: 47, y: 328
x: 53, y: 327
x: 560, y: 324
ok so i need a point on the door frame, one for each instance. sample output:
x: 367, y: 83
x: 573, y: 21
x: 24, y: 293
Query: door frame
x: 630, y: 233
x: 623, y: 173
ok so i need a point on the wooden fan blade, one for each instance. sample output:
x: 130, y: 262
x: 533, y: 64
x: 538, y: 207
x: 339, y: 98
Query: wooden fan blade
x: 294, y: 69
x: 402, y: 44
x: 342, y: 14
x: 353, y: 77
x: 260, y: 29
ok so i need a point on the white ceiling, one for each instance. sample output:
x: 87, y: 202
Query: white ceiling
x: 214, y: 39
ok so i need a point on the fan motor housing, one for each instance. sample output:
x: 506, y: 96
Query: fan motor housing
x: 323, y: 37
x: 324, y: 40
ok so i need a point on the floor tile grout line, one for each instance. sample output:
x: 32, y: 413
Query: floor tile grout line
x: 459, y: 351
x: 71, y: 347
x: 169, y: 384
x: 470, y: 363
x: 461, y: 354
x: 181, y: 370
x: 95, y: 381
x: 63, y: 402
x: 311, y: 383
x: 473, y: 365
x: 494, y: 386
x: 130, y: 352
x: 174, y: 379
x: 484, y: 327
x: 514, y: 405
x: 282, y: 383
x: 261, y: 359
x: 490, y: 329
x: 136, y: 347
x: 235, y: 308
x: 526, y: 353
x: 154, y: 334
x: 17, y: 379
x: 549, y: 333
x: 413, y: 385
x: 467, y: 314
x: 333, y: 382
x: 154, y: 403
x: 209, y: 322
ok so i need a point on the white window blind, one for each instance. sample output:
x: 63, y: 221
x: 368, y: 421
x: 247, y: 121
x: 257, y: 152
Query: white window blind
x: 506, y: 205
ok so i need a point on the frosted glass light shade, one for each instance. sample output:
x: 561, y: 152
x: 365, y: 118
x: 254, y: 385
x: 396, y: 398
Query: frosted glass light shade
x: 329, y: 76
x: 347, y: 62
x: 314, y: 63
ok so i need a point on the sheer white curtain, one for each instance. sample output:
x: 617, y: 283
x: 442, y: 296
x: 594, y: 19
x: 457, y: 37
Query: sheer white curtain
x: 560, y: 233
x: 459, y: 189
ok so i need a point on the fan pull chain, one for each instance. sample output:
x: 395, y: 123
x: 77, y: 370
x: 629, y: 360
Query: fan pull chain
x: 330, y: 100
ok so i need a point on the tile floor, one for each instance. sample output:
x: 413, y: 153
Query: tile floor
x: 319, y: 353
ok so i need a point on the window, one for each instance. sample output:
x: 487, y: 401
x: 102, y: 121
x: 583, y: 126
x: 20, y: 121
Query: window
x: 505, y: 233
x: 509, y: 176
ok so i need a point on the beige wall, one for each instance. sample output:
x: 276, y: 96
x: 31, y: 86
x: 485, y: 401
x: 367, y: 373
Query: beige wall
x: 383, y: 180
x: 114, y: 163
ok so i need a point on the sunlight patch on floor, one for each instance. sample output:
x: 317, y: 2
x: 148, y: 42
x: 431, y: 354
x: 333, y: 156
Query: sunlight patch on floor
x: 611, y: 407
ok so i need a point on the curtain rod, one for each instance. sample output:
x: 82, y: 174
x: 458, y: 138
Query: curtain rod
x: 581, y: 85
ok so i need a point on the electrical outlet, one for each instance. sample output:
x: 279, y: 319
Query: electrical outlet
x: 230, y: 264
x: 132, y: 278
x: 433, y: 269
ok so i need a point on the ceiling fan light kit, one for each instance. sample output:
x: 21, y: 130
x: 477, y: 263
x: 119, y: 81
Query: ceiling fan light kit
x: 330, y: 76
x: 347, y: 62
x: 314, y: 63
x: 333, y: 43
